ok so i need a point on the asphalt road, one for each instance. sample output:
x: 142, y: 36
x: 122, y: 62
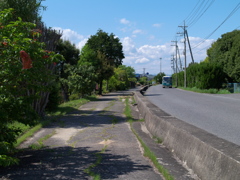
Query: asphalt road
x: 217, y: 114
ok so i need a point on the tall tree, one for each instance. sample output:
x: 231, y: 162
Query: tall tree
x: 226, y: 53
x: 129, y: 70
x: 28, y: 10
x: 158, y: 77
x: 103, y: 52
x: 71, y: 54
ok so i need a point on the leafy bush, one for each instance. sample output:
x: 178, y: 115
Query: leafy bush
x: 54, y: 98
x: 74, y: 97
x: 25, y: 77
x: 203, y: 76
x: 225, y: 52
x: 6, y: 150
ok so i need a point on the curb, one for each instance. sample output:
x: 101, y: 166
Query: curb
x: 208, y: 156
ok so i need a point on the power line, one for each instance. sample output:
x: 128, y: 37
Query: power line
x: 200, y: 15
x: 192, y: 11
x: 232, y: 12
x: 197, y: 10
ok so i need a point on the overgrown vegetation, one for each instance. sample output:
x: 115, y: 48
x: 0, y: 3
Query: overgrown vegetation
x: 225, y: 53
x: 39, y: 71
x: 158, y: 77
x: 26, y: 76
x: 221, y: 66
x: 202, y: 75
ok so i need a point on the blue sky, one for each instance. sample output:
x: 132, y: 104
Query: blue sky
x: 145, y: 27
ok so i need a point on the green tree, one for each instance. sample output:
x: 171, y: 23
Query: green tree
x: 143, y: 80
x: 158, y: 77
x: 129, y: 70
x: 28, y: 10
x: 26, y: 75
x: 226, y: 53
x: 106, y: 54
x: 71, y: 55
x: 81, y: 80
x: 120, y: 80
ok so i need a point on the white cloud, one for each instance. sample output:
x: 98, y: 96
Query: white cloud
x: 81, y: 43
x: 137, y: 31
x: 148, y: 56
x: 124, y: 21
x: 157, y: 25
x: 151, y: 37
x: 128, y: 45
x: 142, y: 60
x: 155, y: 51
x: 68, y: 34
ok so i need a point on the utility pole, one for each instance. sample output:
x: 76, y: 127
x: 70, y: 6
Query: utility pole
x: 173, y: 63
x: 180, y: 61
x: 176, y: 62
x: 189, y: 46
x: 185, y: 57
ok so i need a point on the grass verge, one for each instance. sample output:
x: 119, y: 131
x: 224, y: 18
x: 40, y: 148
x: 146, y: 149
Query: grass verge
x: 89, y: 171
x: 61, y: 110
x: 208, y: 91
x: 147, y: 152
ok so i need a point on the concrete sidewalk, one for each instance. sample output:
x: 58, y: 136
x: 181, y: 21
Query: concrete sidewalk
x: 94, y: 140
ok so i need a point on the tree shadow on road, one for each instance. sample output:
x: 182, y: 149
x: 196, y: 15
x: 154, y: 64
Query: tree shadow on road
x: 152, y: 94
x: 68, y: 163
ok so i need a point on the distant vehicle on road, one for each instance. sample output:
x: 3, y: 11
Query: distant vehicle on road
x: 167, y: 81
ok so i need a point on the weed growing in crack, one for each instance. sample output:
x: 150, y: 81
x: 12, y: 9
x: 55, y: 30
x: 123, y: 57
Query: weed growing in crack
x: 147, y: 152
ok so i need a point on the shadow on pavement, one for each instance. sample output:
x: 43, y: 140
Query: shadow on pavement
x: 152, y: 94
x: 68, y: 163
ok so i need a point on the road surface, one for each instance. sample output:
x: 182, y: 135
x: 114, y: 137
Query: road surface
x: 218, y: 114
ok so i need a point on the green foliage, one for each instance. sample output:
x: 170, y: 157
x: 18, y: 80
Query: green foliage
x: 23, y: 79
x: 71, y: 56
x: 6, y: 149
x: 143, y: 80
x: 130, y: 71
x: 103, y: 52
x: 203, y: 76
x: 226, y: 53
x: 28, y: 10
x: 158, y: 77
x: 81, y: 79
x: 120, y: 80
x: 109, y: 45
x: 54, y: 98
x: 74, y: 97
x: 69, y: 51
x: 8, y: 160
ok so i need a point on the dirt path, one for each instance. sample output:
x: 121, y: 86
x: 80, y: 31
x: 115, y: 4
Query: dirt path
x: 94, y: 141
